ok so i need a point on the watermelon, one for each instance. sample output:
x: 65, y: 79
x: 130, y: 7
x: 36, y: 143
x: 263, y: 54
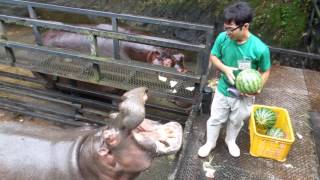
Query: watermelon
x: 249, y: 81
x: 276, y: 132
x: 264, y: 118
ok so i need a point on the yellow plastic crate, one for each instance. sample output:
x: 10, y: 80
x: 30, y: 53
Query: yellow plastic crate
x: 267, y: 146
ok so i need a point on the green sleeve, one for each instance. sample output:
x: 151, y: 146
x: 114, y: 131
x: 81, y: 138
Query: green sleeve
x: 265, y: 62
x: 216, y: 49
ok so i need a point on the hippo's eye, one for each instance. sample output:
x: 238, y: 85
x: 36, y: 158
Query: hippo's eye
x: 164, y: 143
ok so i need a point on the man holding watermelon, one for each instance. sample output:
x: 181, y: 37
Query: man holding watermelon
x: 235, y: 50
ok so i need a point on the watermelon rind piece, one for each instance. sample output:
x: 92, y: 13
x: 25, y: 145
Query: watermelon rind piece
x: 276, y: 132
x: 249, y: 81
x: 265, y: 118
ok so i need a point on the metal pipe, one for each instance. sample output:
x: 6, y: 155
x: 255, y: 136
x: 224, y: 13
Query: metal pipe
x: 14, y: 108
x: 116, y: 45
x: 294, y: 52
x: 143, y: 19
x: 169, y: 43
x: 139, y: 66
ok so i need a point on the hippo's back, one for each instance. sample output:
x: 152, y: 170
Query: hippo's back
x: 38, y: 153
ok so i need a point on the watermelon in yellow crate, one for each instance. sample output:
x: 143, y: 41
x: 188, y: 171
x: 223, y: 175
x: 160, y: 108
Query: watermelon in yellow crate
x: 276, y: 132
x: 249, y: 81
x: 265, y: 118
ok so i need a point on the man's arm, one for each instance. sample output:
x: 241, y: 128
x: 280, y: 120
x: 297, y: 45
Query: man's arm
x: 265, y: 76
x: 228, y: 71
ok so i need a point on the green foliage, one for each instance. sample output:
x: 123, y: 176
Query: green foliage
x: 281, y: 23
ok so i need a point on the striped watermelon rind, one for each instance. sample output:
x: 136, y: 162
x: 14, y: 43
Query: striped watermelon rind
x: 276, y: 132
x: 249, y: 81
x: 264, y: 118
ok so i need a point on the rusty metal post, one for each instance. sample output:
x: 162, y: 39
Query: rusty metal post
x: 93, y: 45
x: 94, y: 52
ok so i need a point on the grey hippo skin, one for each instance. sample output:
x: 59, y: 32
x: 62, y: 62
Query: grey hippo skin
x: 120, y: 150
x: 128, y: 50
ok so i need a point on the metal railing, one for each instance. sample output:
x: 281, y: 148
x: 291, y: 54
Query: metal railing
x: 203, y: 50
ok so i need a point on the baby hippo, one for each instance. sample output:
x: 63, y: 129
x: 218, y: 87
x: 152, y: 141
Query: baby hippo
x: 120, y: 150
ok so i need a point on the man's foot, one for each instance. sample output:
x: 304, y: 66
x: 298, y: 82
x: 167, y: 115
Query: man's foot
x: 205, y: 150
x: 233, y: 149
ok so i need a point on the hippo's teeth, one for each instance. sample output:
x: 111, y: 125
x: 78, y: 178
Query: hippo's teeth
x: 103, y: 151
x: 146, y: 142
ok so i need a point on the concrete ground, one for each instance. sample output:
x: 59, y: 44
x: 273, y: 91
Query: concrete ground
x: 296, y: 90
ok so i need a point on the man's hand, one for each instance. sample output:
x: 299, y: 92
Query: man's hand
x: 251, y: 95
x: 228, y: 71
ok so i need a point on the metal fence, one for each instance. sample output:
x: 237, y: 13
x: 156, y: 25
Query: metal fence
x: 108, y: 71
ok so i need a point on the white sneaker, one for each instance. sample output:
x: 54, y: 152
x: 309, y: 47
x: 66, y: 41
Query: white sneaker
x: 233, y: 149
x: 205, y: 150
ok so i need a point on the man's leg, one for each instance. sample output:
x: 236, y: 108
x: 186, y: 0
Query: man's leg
x: 219, y: 115
x: 240, y: 111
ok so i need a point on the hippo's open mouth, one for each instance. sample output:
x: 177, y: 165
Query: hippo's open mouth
x: 160, y: 138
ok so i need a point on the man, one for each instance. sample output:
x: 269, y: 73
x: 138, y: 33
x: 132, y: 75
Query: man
x: 235, y: 49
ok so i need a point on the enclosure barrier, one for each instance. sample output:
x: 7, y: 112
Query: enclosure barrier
x: 108, y: 71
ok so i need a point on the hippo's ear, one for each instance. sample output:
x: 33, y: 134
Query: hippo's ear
x: 179, y: 65
x: 153, y: 56
x: 113, y: 115
x: 155, y: 53
x: 139, y: 92
x: 179, y: 57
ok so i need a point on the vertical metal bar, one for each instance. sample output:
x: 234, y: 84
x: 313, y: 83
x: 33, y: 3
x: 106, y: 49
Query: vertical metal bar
x: 96, y: 71
x: 309, y: 31
x: 204, y: 57
x: 115, y: 52
x: 33, y: 15
x: 93, y: 45
x: 2, y: 30
x: 206, y: 52
x: 9, y: 51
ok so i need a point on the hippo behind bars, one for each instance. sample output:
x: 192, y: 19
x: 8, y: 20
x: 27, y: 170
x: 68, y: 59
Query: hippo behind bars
x: 128, y: 50
x: 120, y: 150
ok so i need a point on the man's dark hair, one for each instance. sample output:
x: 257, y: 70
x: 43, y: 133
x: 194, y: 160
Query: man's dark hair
x: 239, y: 12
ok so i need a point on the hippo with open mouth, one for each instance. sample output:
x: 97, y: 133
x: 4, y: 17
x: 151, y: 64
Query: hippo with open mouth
x: 120, y: 150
